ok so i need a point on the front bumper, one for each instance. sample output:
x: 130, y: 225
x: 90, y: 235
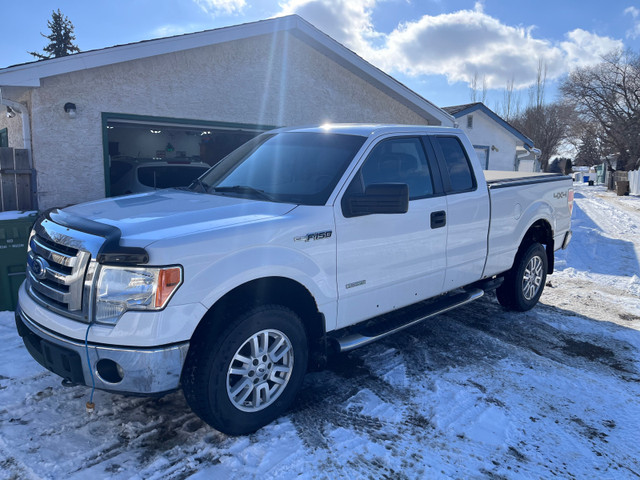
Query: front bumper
x: 143, y: 371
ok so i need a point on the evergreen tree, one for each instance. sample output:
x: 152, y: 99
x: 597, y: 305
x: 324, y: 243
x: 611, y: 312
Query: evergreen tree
x: 61, y: 38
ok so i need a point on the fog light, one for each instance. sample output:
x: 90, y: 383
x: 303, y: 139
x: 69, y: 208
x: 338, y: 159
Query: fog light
x: 109, y: 371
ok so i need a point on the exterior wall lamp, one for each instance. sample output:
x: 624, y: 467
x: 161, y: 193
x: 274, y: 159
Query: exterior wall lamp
x: 10, y: 112
x: 70, y: 109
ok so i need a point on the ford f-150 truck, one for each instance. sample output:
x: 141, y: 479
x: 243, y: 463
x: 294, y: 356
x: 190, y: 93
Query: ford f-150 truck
x: 301, y: 242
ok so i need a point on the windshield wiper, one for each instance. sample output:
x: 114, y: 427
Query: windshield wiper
x: 202, y: 185
x: 245, y: 189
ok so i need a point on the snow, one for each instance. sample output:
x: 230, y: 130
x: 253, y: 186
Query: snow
x: 476, y: 393
x: 15, y: 214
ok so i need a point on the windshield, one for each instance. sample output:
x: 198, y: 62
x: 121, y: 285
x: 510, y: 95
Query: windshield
x: 290, y: 167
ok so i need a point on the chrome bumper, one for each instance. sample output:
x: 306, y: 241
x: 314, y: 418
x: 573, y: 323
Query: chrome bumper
x: 143, y: 371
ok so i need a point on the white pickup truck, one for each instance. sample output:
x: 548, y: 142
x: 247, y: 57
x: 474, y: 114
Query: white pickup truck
x: 301, y: 242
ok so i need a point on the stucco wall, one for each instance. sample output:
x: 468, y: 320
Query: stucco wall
x: 265, y: 80
x: 14, y: 125
x: 14, y: 129
x: 487, y: 132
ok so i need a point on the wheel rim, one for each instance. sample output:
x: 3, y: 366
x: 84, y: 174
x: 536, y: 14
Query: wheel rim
x: 260, y: 370
x: 532, y: 279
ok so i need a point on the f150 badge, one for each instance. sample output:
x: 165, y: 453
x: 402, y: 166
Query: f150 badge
x: 313, y: 236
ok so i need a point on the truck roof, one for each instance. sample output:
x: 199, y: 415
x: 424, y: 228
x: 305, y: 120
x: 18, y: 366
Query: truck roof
x: 366, y: 129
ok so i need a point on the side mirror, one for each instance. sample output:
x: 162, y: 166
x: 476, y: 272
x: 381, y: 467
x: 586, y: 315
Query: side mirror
x: 381, y: 198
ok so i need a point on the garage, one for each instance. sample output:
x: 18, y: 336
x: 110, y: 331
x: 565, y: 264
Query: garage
x: 89, y: 119
x: 146, y: 153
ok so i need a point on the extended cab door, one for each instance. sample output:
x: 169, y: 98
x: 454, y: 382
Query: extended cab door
x: 468, y: 211
x: 386, y: 261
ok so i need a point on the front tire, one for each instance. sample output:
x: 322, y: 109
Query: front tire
x: 249, y: 374
x: 524, y: 283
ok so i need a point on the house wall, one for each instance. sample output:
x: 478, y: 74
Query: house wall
x: 14, y: 125
x: 273, y: 80
x: 488, y: 133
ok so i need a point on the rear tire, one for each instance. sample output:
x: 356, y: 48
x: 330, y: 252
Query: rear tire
x: 524, y: 283
x: 249, y: 374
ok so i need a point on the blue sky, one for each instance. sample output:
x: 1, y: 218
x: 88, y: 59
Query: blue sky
x: 435, y: 47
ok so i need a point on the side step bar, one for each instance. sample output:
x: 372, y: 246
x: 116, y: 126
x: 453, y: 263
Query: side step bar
x: 404, y: 318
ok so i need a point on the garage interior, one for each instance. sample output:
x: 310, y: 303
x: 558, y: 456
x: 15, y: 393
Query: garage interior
x: 174, y: 143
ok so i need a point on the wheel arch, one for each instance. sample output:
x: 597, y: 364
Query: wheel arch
x: 265, y: 291
x: 540, y: 232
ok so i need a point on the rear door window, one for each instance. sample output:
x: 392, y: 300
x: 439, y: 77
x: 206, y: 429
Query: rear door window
x: 456, y: 164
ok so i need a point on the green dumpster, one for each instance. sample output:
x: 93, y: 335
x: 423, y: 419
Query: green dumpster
x: 14, y: 236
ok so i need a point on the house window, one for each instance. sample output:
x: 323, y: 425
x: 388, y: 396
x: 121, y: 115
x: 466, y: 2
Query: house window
x: 4, y: 138
x: 469, y: 121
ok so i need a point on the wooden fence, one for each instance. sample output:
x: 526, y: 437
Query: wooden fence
x: 17, y: 180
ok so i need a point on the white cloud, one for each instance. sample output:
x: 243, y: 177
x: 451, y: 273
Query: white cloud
x: 347, y: 21
x: 583, y: 48
x: 459, y: 45
x: 171, y: 30
x: 215, y: 7
x: 634, y: 32
x: 633, y: 11
x: 467, y: 42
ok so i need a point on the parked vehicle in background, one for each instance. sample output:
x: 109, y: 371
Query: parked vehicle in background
x: 299, y: 243
x: 137, y: 175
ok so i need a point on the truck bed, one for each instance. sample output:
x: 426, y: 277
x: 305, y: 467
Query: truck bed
x: 513, y: 210
x: 502, y: 179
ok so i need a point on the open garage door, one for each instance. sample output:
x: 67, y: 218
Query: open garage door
x: 143, y: 153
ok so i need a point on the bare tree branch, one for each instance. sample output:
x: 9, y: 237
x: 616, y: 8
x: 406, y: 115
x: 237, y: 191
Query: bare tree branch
x: 607, y: 97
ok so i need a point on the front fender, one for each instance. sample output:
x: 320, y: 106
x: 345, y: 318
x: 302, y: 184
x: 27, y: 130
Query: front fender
x: 260, y: 262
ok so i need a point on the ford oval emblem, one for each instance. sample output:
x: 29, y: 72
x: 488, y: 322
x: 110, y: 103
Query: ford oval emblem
x: 39, y: 268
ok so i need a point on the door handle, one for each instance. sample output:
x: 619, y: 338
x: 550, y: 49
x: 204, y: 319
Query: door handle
x: 438, y: 219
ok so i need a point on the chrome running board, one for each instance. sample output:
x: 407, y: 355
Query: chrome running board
x: 393, y: 322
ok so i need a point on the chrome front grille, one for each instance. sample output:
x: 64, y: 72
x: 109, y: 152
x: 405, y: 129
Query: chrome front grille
x: 57, y: 270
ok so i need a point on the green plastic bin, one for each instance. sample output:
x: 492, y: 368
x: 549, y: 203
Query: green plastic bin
x: 14, y: 236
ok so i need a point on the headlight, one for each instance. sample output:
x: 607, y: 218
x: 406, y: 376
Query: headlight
x: 134, y: 288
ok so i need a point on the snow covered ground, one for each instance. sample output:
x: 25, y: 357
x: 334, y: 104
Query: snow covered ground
x: 476, y: 393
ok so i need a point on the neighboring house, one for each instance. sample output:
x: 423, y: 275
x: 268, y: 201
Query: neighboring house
x: 191, y: 97
x: 499, y: 145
